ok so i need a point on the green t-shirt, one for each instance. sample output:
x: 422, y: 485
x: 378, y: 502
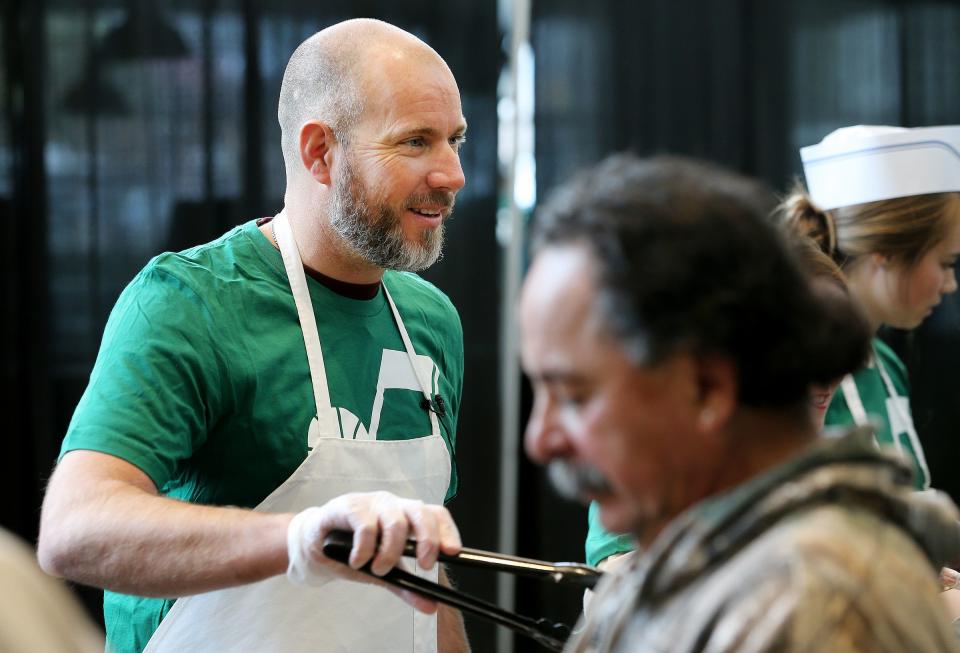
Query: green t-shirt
x: 202, y: 381
x: 601, y: 544
x: 873, y: 394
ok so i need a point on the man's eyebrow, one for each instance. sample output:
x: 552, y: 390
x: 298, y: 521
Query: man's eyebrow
x: 430, y: 131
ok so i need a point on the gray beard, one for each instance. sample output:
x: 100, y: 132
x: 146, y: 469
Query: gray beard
x: 374, y: 232
x: 576, y: 482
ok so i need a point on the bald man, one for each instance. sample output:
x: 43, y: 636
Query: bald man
x: 291, y: 377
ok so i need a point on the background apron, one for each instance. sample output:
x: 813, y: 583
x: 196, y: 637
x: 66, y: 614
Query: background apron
x: 898, y: 416
x: 274, y: 615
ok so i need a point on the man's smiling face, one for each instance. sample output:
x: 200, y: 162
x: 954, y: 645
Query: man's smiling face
x: 400, y: 170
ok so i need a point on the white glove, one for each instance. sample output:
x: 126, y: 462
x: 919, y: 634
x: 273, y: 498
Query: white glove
x: 304, y: 530
x: 381, y: 523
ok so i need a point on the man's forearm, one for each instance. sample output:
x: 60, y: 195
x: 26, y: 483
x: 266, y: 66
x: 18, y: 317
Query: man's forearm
x: 109, y: 529
x: 451, y: 634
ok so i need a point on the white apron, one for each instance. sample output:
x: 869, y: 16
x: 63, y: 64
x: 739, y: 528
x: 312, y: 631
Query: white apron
x: 898, y: 414
x: 274, y: 615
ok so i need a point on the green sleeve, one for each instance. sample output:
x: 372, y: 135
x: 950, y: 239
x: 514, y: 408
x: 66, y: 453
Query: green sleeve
x: 455, y: 363
x: 454, y: 372
x: 155, y: 387
x: 600, y: 544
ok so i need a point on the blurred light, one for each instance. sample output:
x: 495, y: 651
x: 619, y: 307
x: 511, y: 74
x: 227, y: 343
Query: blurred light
x: 525, y: 173
x: 525, y: 184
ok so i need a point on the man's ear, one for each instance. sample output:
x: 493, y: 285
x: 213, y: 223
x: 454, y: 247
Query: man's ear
x: 717, y: 389
x: 317, y: 143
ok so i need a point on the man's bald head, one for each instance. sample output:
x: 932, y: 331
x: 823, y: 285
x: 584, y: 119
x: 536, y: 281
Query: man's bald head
x: 324, y: 79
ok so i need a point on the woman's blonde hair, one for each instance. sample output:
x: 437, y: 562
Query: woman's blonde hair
x: 903, y: 228
x: 815, y: 263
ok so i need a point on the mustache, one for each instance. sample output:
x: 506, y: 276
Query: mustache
x: 443, y: 199
x: 576, y: 482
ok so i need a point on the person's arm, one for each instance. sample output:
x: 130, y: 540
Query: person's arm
x: 104, y: 524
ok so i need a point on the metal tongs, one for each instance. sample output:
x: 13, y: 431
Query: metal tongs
x: 548, y: 634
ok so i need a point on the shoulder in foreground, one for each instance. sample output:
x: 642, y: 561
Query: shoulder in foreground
x: 856, y: 577
x: 824, y: 579
x: 838, y: 540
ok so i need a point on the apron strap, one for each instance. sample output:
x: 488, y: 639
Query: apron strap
x: 852, y: 396
x: 293, y: 263
x: 897, y: 404
x: 425, y: 385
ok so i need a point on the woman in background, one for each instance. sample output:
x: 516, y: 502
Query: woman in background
x: 883, y: 205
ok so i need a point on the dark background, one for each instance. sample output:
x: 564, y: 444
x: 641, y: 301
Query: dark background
x: 113, y: 149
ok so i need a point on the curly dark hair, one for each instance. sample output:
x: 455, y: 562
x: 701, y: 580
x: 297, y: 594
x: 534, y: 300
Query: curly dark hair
x: 687, y: 259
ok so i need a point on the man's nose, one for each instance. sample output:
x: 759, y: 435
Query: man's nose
x: 544, y: 438
x: 447, y: 173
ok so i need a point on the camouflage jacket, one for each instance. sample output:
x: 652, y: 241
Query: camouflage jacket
x: 832, y: 551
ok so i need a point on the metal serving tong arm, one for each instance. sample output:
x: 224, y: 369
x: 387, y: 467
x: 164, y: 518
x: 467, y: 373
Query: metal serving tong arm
x: 548, y: 634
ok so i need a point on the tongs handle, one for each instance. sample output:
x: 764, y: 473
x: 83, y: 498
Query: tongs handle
x: 559, y: 572
x: 550, y: 635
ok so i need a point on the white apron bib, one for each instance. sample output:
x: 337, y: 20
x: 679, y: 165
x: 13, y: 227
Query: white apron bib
x: 898, y: 414
x: 274, y: 615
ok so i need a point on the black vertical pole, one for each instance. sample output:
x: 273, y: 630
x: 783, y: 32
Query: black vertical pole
x: 253, y: 90
x: 92, y: 77
x: 207, y: 106
x: 28, y: 445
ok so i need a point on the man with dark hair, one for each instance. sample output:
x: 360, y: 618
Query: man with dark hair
x: 672, y: 340
x: 212, y: 389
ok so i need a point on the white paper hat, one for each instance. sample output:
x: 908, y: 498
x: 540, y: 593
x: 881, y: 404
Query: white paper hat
x: 868, y: 163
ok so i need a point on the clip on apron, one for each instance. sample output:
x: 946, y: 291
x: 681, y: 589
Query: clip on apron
x: 548, y: 634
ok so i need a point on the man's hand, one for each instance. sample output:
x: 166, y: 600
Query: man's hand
x: 381, y: 523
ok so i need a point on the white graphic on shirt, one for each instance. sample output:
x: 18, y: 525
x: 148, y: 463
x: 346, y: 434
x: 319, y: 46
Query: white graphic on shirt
x: 346, y: 425
x: 396, y: 373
